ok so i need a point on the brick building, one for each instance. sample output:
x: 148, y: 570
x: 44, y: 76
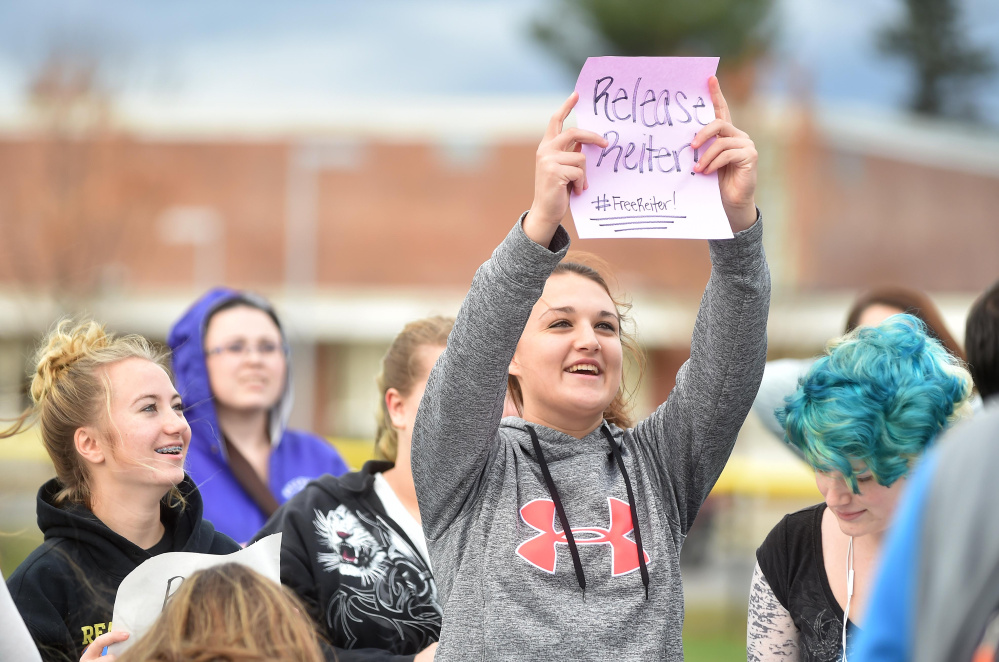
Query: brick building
x: 355, y: 229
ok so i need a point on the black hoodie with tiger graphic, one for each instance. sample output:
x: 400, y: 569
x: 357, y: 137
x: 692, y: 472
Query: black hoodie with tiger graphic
x: 363, y: 580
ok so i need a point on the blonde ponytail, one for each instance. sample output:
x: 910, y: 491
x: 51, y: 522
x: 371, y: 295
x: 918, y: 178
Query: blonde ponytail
x: 400, y: 368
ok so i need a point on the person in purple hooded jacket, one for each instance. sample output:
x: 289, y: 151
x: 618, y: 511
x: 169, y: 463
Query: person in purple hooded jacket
x: 231, y: 362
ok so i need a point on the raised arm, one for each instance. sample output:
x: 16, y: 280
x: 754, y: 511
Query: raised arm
x: 694, y: 430
x: 463, y: 403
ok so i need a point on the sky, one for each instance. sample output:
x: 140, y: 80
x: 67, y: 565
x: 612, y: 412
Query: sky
x: 222, y: 58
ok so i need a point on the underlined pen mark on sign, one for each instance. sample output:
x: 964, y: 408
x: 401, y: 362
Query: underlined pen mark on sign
x: 644, y: 227
x: 653, y: 222
x: 621, y: 218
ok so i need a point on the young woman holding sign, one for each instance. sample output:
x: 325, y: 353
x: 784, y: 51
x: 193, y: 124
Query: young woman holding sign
x: 114, y: 427
x: 557, y: 535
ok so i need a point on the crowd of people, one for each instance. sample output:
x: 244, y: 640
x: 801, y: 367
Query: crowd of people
x: 515, y: 510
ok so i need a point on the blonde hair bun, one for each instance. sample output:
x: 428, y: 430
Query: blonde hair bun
x: 66, y: 344
x: 69, y: 390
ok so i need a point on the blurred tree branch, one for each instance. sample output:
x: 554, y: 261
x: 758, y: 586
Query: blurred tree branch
x: 739, y: 31
x: 76, y: 197
x: 67, y: 92
x: 945, y: 63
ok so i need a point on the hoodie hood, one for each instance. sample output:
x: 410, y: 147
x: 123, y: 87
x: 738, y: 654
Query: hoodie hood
x: 355, y: 483
x: 556, y: 445
x: 65, y: 589
x: 116, y: 555
x: 187, y: 342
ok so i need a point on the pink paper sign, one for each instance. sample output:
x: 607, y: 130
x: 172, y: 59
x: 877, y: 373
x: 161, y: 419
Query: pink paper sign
x: 643, y: 183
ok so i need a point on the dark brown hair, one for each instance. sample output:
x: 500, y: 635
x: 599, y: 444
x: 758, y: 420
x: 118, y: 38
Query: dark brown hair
x: 246, y: 300
x: 618, y: 411
x: 981, y: 335
x: 915, y: 303
x: 229, y: 613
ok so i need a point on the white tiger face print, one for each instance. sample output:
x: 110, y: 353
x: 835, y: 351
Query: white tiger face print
x: 355, y: 552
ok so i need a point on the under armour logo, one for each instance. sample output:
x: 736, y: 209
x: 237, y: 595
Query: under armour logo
x: 540, y: 551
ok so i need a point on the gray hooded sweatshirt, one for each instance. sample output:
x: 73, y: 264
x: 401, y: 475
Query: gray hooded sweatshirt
x: 499, y: 552
x: 957, y: 590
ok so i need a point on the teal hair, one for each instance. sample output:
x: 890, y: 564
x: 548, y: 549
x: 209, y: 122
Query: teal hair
x: 880, y: 396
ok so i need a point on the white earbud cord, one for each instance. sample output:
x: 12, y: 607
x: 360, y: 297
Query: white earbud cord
x: 849, y: 591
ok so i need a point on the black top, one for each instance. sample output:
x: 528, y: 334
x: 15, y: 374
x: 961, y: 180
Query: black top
x: 356, y: 570
x: 65, y: 589
x: 791, y: 560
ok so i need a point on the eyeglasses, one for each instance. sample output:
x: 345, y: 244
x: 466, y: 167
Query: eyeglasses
x: 264, y: 348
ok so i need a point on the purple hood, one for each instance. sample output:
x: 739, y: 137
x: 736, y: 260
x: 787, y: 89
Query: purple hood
x: 187, y: 342
x: 296, y: 457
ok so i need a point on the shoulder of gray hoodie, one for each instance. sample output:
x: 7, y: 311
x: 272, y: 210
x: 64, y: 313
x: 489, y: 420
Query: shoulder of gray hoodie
x: 459, y: 440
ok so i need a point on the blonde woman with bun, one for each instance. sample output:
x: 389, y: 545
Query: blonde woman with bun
x: 113, y: 424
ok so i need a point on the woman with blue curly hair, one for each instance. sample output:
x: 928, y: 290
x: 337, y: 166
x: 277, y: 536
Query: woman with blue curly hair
x: 861, y: 416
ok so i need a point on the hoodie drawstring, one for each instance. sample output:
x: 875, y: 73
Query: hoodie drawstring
x: 642, y: 566
x: 576, y: 563
x: 567, y: 529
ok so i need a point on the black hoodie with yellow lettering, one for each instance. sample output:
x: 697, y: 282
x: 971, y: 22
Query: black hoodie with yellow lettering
x: 65, y: 589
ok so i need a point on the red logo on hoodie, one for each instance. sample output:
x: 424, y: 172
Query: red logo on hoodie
x: 540, y: 551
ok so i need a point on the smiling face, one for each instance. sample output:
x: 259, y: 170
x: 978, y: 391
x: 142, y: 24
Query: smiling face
x: 146, y: 435
x: 246, y: 362
x: 569, y: 359
x: 869, y: 512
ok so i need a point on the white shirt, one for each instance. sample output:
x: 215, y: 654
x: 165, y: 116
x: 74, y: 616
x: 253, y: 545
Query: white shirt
x: 393, y: 506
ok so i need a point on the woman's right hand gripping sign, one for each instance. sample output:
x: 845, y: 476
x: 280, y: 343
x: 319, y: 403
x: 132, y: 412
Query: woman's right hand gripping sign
x: 733, y: 156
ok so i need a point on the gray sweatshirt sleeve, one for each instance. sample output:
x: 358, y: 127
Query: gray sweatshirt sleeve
x: 461, y: 408
x: 693, y: 432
